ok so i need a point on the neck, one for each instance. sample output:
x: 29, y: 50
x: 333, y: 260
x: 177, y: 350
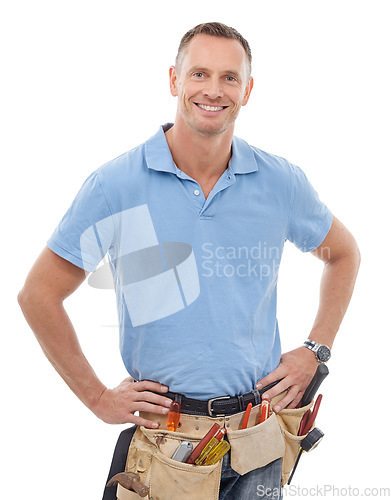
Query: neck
x: 202, y: 157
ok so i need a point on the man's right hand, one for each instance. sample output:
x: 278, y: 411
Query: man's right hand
x: 118, y: 405
x: 51, y: 280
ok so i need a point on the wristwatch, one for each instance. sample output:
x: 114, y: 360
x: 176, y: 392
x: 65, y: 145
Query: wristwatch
x: 322, y: 352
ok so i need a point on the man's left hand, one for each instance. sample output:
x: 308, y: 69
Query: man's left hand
x: 296, y: 370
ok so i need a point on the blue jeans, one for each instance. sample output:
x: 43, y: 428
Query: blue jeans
x: 259, y: 483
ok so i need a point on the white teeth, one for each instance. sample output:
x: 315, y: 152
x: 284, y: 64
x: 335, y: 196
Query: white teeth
x: 210, y: 108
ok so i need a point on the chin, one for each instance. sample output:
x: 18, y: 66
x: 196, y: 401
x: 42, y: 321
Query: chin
x: 210, y: 130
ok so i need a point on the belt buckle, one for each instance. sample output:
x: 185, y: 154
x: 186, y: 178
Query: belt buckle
x: 210, y: 409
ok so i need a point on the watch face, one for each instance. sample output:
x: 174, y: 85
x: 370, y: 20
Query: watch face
x: 323, y: 353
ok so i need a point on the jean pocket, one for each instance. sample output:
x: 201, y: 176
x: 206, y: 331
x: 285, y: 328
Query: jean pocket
x: 256, y: 446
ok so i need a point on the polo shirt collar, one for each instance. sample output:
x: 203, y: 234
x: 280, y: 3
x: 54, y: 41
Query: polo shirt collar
x: 243, y: 160
x: 158, y: 154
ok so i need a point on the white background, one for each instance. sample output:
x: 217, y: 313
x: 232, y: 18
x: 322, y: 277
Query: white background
x: 84, y: 81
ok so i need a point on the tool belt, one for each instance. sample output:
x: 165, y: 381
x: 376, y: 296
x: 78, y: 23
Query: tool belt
x: 150, y: 451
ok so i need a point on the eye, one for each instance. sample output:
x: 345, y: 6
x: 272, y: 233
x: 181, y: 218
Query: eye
x: 198, y: 74
x: 231, y: 79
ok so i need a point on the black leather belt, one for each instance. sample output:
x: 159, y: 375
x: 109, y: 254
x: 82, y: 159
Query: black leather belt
x: 221, y: 406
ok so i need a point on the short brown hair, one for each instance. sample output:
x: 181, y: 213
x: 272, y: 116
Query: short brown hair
x: 213, y: 29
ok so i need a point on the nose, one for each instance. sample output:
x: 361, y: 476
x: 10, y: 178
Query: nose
x: 212, y: 89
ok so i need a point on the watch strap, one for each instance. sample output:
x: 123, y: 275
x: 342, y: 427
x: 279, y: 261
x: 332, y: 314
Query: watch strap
x: 311, y: 344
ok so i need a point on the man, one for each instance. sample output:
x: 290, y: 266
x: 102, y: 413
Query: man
x: 194, y: 222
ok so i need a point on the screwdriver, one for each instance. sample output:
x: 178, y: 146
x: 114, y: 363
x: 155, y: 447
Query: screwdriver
x: 200, y: 446
x: 211, y: 444
x: 174, y: 416
x: 218, y: 452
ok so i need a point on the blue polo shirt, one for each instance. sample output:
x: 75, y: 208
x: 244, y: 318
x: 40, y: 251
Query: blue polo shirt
x: 195, y: 278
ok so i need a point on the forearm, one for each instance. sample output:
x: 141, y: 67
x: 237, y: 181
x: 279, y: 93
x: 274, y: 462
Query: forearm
x: 336, y: 290
x: 297, y: 367
x: 58, y: 340
x: 341, y: 256
x: 50, y: 281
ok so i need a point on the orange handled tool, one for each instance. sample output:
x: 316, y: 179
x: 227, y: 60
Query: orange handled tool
x: 174, y: 416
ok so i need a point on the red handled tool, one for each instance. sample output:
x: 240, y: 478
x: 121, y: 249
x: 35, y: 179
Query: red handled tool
x: 313, y: 414
x: 247, y: 416
x: 309, y: 417
x: 303, y: 422
x: 204, y: 441
x: 210, y: 446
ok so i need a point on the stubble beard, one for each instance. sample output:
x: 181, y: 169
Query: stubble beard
x: 193, y: 123
x: 210, y: 132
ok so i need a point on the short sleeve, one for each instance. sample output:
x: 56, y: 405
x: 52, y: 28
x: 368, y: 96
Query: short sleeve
x: 86, y: 231
x: 310, y: 219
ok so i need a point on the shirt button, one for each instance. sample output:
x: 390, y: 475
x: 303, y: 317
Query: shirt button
x: 196, y: 192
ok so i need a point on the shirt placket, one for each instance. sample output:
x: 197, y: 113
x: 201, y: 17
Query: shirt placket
x: 196, y: 194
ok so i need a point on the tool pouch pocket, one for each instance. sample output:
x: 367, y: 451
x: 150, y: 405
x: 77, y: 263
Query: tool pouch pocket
x: 289, y: 420
x: 124, y: 494
x: 150, y: 457
x: 256, y: 446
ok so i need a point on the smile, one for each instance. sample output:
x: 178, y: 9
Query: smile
x: 210, y: 108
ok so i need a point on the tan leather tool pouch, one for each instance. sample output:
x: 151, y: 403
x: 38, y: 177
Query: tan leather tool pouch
x: 289, y: 421
x: 150, y: 457
x: 255, y: 446
x: 151, y: 450
x: 124, y: 494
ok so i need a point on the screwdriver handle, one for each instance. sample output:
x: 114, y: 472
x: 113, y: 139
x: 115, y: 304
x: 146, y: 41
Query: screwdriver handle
x: 321, y: 373
x: 174, y: 415
x: 217, y: 453
x: 204, y: 441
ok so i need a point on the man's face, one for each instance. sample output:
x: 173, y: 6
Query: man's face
x: 212, y: 84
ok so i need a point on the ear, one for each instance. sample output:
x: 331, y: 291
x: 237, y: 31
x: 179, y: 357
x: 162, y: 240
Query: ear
x: 173, y: 81
x: 247, y: 91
